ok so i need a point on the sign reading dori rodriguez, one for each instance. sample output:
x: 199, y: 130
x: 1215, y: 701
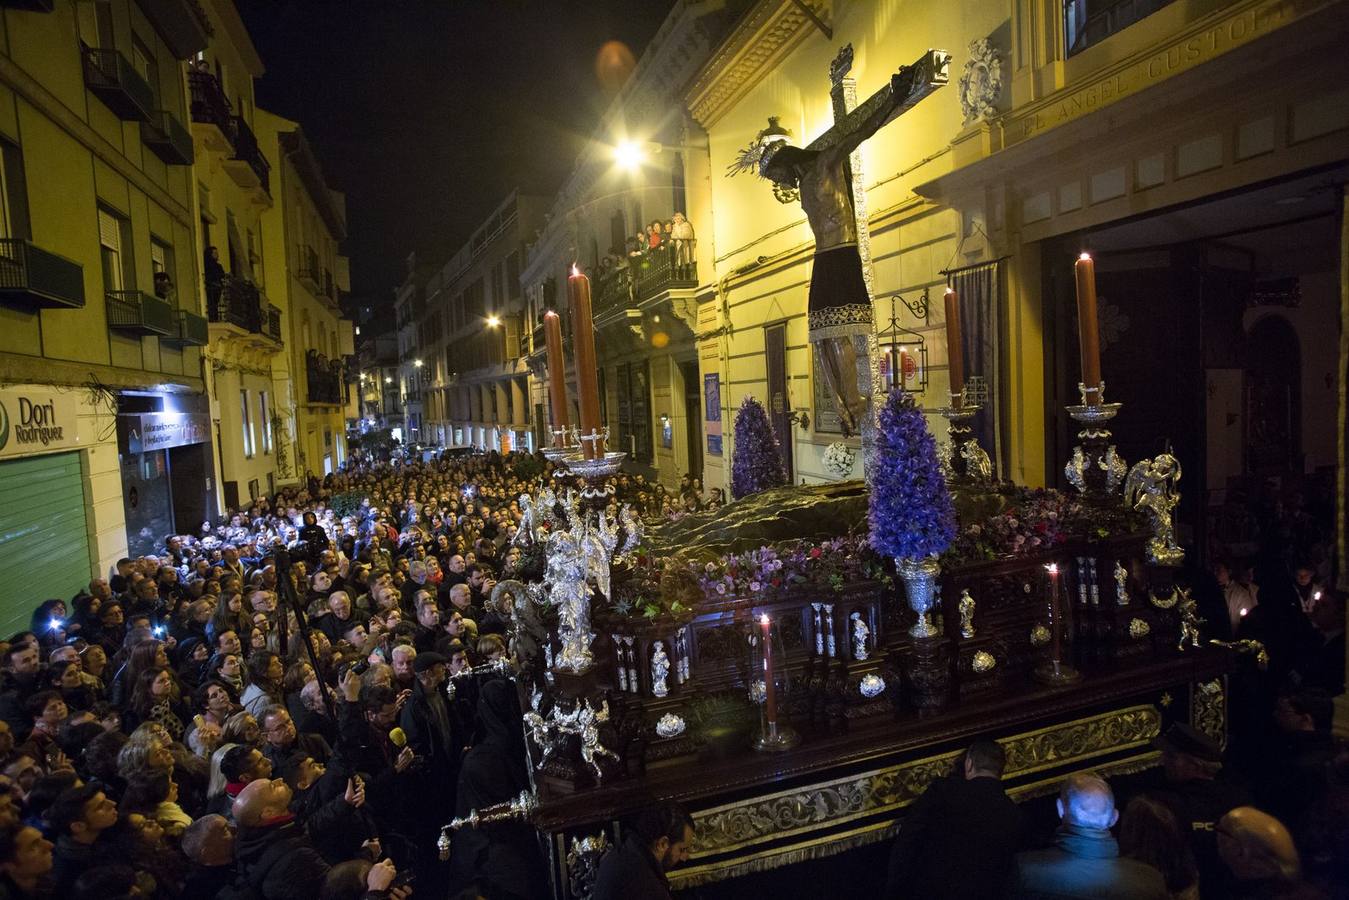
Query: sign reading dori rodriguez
x: 36, y: 422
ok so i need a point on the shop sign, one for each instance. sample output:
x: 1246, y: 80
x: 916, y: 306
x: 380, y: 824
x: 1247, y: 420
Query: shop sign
x: 37, y: 422
x: 147, y: 432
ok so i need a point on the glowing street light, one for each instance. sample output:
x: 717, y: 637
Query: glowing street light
x: 493, y: 321
x: 388, y: 379
x: 630, y: 155
x: 417, y: 363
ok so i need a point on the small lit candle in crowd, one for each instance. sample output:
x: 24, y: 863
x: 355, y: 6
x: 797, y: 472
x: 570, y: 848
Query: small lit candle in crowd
x: 1088, y: 332
x: 770, y: 695
x: 955, y: 351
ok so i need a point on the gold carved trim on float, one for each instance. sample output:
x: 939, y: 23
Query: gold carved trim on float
x: 1208, y: 709
x: 821, y: 847
x: 832, y: 803
x: 1200, y: 41
x: 766, y: 35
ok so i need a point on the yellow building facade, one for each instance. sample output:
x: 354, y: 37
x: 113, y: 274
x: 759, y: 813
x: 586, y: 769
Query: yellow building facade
x: 104, y: 443
x: 1195, y: 151
x: 304, y: 231
x: 235, y: 185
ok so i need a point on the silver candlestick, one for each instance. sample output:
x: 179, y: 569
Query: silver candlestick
x: 1095, y: 469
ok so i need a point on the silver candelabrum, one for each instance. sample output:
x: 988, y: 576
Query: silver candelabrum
x: 566, y: 442
x: 1095, y: 469
x: 966, y: 460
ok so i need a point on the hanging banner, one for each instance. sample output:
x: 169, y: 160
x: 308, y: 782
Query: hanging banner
x: 37, y: 422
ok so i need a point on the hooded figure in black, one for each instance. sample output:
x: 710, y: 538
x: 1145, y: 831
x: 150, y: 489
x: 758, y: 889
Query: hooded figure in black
x: 503, y: 859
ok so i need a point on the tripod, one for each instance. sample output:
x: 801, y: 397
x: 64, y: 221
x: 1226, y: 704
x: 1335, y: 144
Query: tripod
x: 291, y: 601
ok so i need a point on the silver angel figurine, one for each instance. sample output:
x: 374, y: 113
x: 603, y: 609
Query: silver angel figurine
x: 966, y: 609
x: 1152, y: 486
x: 860, y: 634
x: 660, y: 670
x: 1121, y: 582
x: 977, y: 464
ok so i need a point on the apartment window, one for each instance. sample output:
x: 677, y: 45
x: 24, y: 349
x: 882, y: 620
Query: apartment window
x: 253, y: 489
x: 161, y: 263
x: 13, y: 193
x: 94, y: 18
x: 681, y: 199
x: 248, y: 424
x: 115, y: 243
x: 143, y: 61
x: 265, y: 422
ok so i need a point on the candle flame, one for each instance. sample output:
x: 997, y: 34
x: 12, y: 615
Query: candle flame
x: 763, y: 619
x: 1052, y: 568
x: 950, y: 290
x: 575, y: 270
x: 1085, y: 255
x: 551, y: 312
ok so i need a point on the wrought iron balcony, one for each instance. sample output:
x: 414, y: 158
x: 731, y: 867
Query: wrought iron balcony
x: 309, y: 272
x: 236, y: 301
x: 323, y: 378
x: 112, y: 78
x: 193, y: 331
x: 248, y: 167
x: 167, y: 138
x: 212, y: 118
x: 136, y: 312
x: 668, y: 267
x: 37, y: 278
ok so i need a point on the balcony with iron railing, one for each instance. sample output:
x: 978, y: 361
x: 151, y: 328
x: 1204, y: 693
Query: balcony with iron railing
x: 309, y: 273
x: 140, y: 313
x: 112, y: 78
x: 638, y: 278
x: 212, y: 117
x: 323, y: 378
x: 34, y: 277
x: 167, y: 138
x: 235, y: 301
x: 248, y: 166
x: 192, y: 331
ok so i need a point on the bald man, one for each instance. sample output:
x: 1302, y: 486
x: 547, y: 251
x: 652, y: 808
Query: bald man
x: 271, y: 848
x: 1259, y: 853
x: 1084, y: 861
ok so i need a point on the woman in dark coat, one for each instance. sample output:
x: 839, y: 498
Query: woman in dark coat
x: 503, y: 859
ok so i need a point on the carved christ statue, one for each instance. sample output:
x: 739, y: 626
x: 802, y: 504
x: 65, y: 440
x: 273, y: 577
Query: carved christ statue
x: 820, y: 176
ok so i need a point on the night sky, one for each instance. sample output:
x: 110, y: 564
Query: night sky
x: 426, y: 113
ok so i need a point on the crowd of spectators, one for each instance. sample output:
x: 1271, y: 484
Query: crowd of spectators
x: 168, y: 732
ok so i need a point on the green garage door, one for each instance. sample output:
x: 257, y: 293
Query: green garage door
x: 44, y: 547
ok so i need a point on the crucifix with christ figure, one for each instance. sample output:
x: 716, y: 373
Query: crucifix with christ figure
x: 825, y: 176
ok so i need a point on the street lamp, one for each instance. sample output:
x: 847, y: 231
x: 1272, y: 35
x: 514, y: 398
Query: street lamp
x: 388, y: 379
x: 493, y: 321
x: 417, y: 363
x: 630, y: 155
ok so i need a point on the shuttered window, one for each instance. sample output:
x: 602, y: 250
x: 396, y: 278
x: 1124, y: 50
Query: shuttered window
x: 44, y: 547
x: 110, y: 239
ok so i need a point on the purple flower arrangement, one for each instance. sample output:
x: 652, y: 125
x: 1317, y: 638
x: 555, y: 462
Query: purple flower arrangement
x: 757, y: 462
x: 912, y: 516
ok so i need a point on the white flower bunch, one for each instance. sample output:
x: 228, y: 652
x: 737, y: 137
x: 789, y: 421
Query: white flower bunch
x: 838, y: 459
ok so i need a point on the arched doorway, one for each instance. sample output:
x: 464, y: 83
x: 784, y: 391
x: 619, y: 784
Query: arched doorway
x: 1273, y: 397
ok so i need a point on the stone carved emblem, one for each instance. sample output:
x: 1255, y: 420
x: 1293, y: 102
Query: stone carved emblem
x: 980, y: 82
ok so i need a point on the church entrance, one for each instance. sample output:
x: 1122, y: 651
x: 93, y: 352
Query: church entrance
x: 1219, y: 330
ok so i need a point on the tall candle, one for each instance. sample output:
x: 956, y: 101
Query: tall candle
x: 770, y: 695
x: 1055, y: 614
x: 557, y: 376
x: 955, y: 351
x: 1088, y: 332
x: 903, y: 369
x: 587, y: 372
